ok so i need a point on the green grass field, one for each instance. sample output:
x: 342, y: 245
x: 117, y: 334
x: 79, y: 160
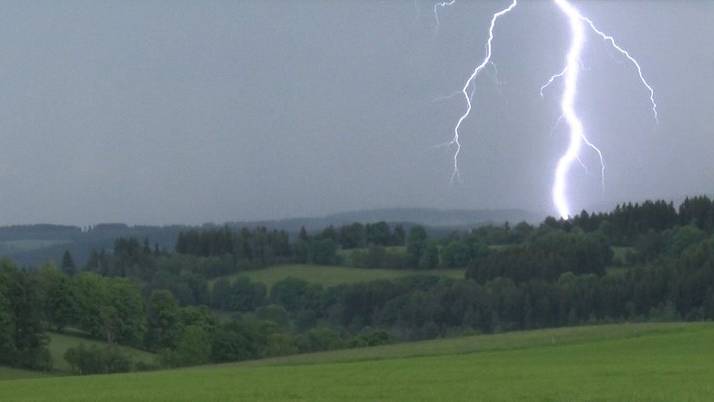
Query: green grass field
x: 637, y: 362
x: 7, y: 373
x: 328, y: 275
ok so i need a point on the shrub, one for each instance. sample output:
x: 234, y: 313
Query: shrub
x: 96, y: 360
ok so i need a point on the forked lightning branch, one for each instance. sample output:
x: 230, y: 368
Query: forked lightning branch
x: 570, y: 74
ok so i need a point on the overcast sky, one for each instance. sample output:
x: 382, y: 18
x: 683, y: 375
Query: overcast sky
x: 195, y: 111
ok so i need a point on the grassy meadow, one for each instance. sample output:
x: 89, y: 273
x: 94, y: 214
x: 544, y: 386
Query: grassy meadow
x: 328, y: 275
x: 630, y: 362
x: 8, y: 373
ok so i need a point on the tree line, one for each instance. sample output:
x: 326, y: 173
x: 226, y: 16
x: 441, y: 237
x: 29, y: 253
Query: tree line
x: 122, y: 311
x: 189, y: 308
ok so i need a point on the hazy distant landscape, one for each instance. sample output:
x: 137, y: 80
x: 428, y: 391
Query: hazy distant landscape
x: 35, y: 244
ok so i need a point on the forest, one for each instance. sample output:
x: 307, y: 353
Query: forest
x: 647, y: 261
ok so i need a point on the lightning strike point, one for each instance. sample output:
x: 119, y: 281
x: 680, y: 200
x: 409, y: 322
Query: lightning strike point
x: 570, y: 73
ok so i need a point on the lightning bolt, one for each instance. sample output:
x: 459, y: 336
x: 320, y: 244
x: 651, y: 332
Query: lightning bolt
x: 567, y: 106
x: 438, y: 5
x: 632, y: 60
x: 455, y: 175
x: 570, y: 75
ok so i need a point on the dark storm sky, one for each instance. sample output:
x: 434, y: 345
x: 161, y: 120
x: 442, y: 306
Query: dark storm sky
x: 187, y: 112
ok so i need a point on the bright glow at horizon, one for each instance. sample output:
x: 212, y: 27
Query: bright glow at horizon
x: 570, y: 75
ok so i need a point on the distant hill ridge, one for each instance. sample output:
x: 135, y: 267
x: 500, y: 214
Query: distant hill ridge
x: 423, y: 216
x: 38, y: 243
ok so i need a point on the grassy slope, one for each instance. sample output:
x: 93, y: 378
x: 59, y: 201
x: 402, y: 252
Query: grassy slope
x: 335, y: 275
x: 8, y: 373
x: 486, y: 343
x: 652, y: 362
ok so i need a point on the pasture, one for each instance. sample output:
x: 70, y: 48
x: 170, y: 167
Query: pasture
x: 630, y: 362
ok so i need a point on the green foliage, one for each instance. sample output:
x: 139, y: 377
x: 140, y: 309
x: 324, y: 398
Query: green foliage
x: 111, y: 308
x: 258, y: 247
x: 274, y: 313
x: 352, y: 236
x: 164, y: 321
x: 378, y: 257
x: 518, y: 278
x: 92, y: 359
x: 697, y: 211
x: 278, y: 344
x: 68, y: 266
x: 429, y: 258
x: 60, y: 299
x: 319, y: 339
x: 648, y: 246
x: 337, y: 275
x: 23, y: 338
x: 200, y: 316
x: 60, y: 343
x: 296, y: 294
x: 416, y: 245
x: 235, y: 341
x: 370, y: 338
x: 322, y: 252
x: 193, y: 347
x: 548, y: 255
x: 7, y: 323
x: 245, y: 295
x: 456, y: 254
x: 684, y: 237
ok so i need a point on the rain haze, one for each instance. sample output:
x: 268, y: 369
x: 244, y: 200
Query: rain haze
x: 188, y: 112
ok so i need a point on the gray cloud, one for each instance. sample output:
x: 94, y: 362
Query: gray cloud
x: 178, y: 111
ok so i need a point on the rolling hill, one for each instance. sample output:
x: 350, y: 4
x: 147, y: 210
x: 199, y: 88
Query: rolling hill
x: 628, y: 362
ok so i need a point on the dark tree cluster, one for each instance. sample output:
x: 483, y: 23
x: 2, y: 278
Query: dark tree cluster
x: 23, y: 342
x: 427, y: 307
x: 358, y: 235
x: 629, y: 221
x: 259, y: 246
x: 545, y: 257
x: 123, y: 311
